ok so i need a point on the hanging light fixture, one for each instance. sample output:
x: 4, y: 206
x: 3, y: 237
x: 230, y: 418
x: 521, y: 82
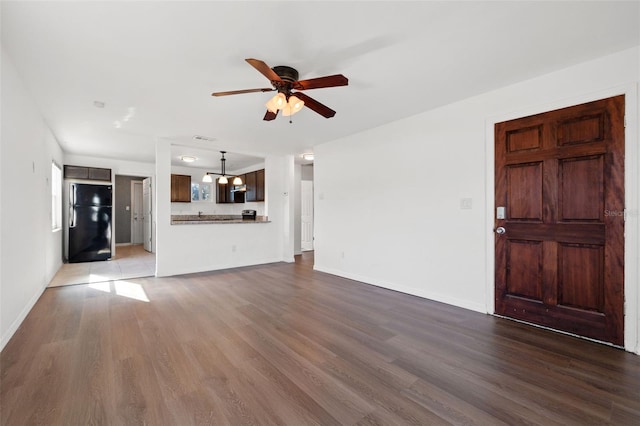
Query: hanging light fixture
x: 223, y: 180
x: 289, y: 106
x: 277, y: 102
x: 293, y: 106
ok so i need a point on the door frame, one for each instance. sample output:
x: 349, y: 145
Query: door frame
x: 131, y: 219
x: 632, y: 188
x: 307, y: 183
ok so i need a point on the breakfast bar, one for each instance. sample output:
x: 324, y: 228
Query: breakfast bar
x: 194, y: 219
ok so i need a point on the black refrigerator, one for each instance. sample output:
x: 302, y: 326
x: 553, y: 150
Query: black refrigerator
x: 89, y: 222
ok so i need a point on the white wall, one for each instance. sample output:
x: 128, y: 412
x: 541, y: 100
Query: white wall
x: 184, y: 249
x: 396, y: 219
x: 30, y: 252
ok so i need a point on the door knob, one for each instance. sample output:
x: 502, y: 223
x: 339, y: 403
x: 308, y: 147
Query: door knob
x: 500, y: 230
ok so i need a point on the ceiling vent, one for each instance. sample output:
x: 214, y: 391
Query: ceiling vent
x: 203, y: 138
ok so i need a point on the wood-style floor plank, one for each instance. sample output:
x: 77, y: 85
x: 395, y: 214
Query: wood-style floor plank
x: 282, y: 344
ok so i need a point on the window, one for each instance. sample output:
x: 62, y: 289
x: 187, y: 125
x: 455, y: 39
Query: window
x: 195, y: 192
x: 56, y: 197
x: 205, y: 192
x: 200, y: 192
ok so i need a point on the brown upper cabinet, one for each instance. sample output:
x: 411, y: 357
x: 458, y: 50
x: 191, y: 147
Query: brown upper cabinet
x: 180, y: 188
x: 88, y: 173
x: 254, y: 182
x: 225, y: 192
x: 255, y: 185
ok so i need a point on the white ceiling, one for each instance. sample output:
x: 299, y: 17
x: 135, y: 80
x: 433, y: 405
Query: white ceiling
x: 155, y: 64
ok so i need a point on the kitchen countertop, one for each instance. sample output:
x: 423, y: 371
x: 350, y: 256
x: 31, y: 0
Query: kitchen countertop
x: 194, y: 219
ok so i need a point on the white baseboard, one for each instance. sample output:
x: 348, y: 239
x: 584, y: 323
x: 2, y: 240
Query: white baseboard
x: 209, y: 268
x: 18, y: 321
x: 465, y: 304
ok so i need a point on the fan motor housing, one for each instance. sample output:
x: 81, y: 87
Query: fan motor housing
x: 286, y: 73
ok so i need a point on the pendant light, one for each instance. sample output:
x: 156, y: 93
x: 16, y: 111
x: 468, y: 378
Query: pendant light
x: 223, y: 180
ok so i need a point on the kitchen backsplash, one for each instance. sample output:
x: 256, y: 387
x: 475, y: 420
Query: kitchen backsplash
x: 214, y: 208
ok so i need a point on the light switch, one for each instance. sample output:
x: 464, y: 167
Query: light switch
x: 466, y: 203
x: 127, y: 208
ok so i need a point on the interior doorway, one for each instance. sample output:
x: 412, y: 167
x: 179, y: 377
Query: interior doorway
x: 133, y: 212
x: 559, y: 244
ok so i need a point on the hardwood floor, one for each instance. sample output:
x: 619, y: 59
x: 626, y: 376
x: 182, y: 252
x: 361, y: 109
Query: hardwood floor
x: 282, y: 344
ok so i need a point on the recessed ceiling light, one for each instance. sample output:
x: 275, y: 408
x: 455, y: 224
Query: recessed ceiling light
x: 188, y: 158
x: 98, y: 104
x: 203, y: 138
x: 308, y: 156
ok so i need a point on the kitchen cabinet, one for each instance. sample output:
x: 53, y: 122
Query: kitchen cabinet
x: 225, y: 193
x: 180, y: 188
x: 250, y: 181
x: 88, y: 173
x: 260, y: 185
x: 255, y: 185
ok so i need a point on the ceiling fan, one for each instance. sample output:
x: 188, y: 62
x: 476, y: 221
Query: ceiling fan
x: 284, y: 79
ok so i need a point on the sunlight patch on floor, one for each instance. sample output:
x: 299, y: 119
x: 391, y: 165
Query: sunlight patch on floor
x: 122, y: 288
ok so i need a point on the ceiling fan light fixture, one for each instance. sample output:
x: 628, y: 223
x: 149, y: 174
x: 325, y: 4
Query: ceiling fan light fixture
x: 293, y: 106
x: 277, y: 102
x: 283, y: 79
x: 207, y: 178
x: 295, y: 103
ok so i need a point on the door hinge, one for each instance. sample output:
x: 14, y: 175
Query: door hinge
x: 625, y: 120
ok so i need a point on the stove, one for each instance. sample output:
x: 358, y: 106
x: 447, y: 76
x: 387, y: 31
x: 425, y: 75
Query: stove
x: 248, y: 215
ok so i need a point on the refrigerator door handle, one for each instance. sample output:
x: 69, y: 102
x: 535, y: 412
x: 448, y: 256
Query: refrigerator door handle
x: 72, y: 217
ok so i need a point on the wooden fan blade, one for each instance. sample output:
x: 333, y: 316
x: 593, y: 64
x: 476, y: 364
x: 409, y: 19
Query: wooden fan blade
x: 264, y: 69
x: 317, y: 83
x: 238, y: 92
x: 316, y: 106
x: 270, y: 115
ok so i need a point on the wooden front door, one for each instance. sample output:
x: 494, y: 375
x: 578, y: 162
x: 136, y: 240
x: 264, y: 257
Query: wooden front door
x: 560, y: 183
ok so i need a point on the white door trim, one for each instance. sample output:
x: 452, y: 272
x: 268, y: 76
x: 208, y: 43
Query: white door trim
x: 306, y: 220
x: 136, y: 224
